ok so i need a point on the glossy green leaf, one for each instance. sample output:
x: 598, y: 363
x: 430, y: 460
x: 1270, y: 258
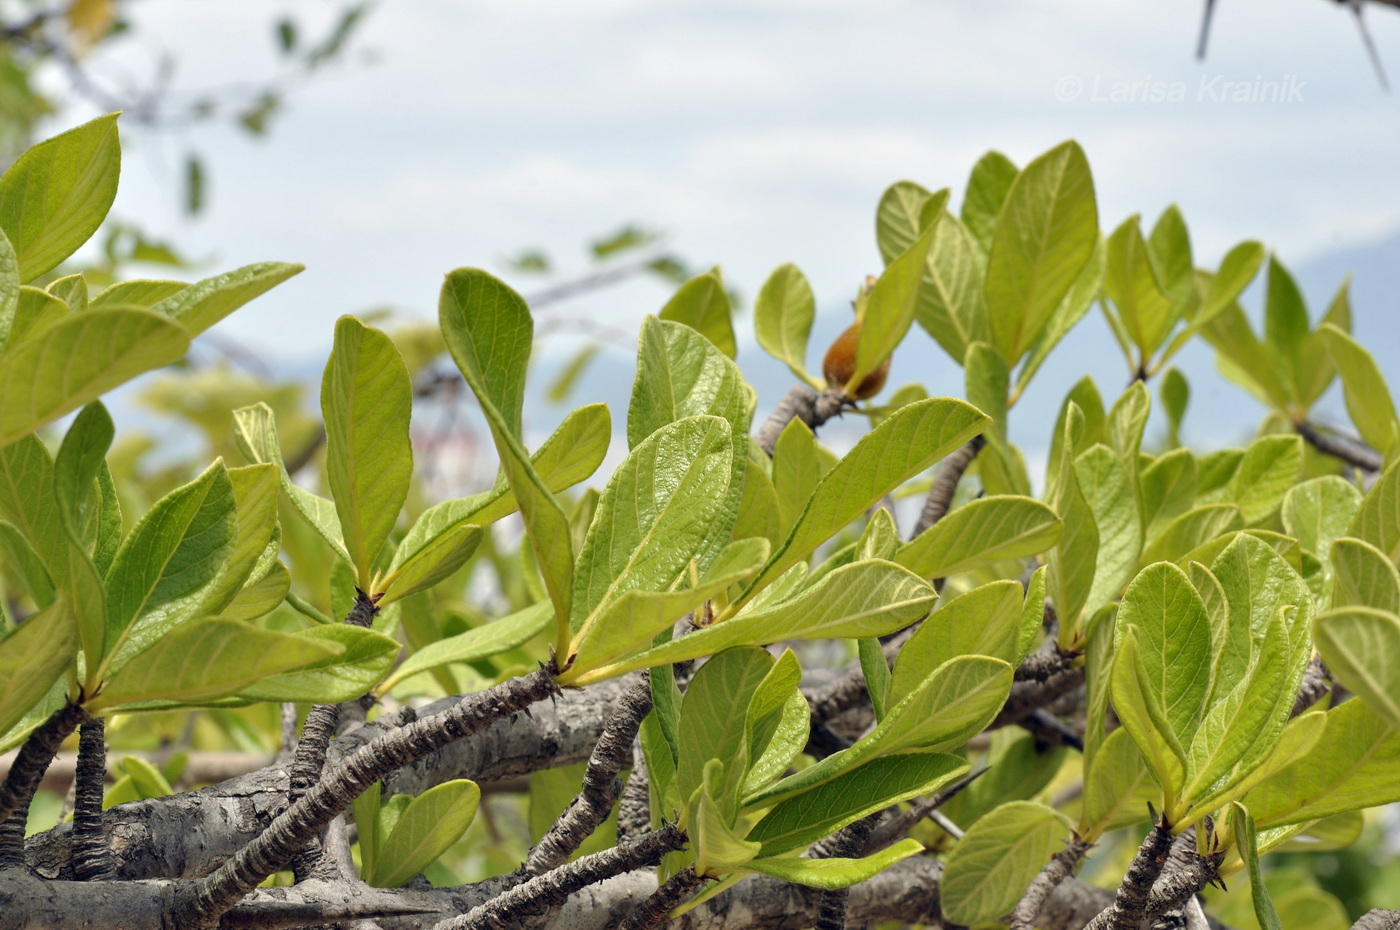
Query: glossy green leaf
x: 835, y: 872
x: 254, y: 600
x: 255, y: 492
x: 1270, y: 467
x: 340, y: 676
x: 890, y: 306
x: 1368, y: 399
x: 782, y: 318
x: 876, y: 670
x: 982, y: 531
x: 206, y: 660
x: 984, y: 621
x: 904, y: 444
x: 204, y: 303
x: 33, y: 657
x: 57, y: 193
x: 1260, y: 587
x: 1141, y: 713
x: 702, y: 303
x: 1032, y: 615
x: 478, y: 643
x: 868, y: 598
x: 987, y: 188
x: 29, y: 570
x: 1363, y: 576
x: 989, y: 869
x: 79, y: 358
x: 1316, y: 367
x: 1359, y: 645
x: 430, y: 825
x: 1045, y: 233
x: 366, y: 399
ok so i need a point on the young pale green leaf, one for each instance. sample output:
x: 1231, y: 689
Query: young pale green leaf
x: 719, y: 844
x: 875, y: 667
x: 987, y: 188
x: 33, y: 657
x: 1242, y: 826
x: 206, y: 660
x: 200, y: 305
x: 366, y: 399
x: 659, y: 510
x: 1082, y: 294
x: 797, y: 469
x: 482, y: 642
x: 254, y: 600
x: 1109, y: 491
x: 255, y: 430
x: 1319, y: 511
x: 1145, y: 309
x: 868, y: 598
x: 984, y: 621
x: 1285, y: 326
x: 1368, y: 399
x: 1352, y: 766
x: 1144, y: 717
x: 1259, y: 584
x: 1169, y: 249
x: 904, y: 444
x: 79, y: 459
x: 758, y: 509
x: 891, y: 305
x: 1377, y: 521
x: 437, y: 560
x: 427, y: 828
x: 1071, y: 562
x: 77, y: 359
x: 897, y: 218
x: 570, y: 455
x: 29, y: 570
x: 341, y: 676
x: 366, y: 812
x: 1032, y: 615
x: 1363, y: 576
x: 768, y: 707
x: 255, y: 490
x: 1192, y: 529
x: 1270, y: 467
x: 787, y: 742
x: 835, y: 872
x: 175, y: 550
x: 714, y: 719
x: 139, y: 293
x: 1242, y: 358
x: 1045, y: 233
x: 681, y: 374
x: 988, y: 380
x: 1359, y: 645
x: 1237, y: 269
x: 782, y: 319
x: 806, y: 818
x: 1116, y: 788
x: 702, y: 303
x: 1316, y: 368
x: 631, y: 621
x: 952, y: 307
x: 989, y: 869
x: 36, y: 311
x: 980, y: 532
x: 56, y: 194
x: 1175, y: 392
x: 9, y: 289
x: 488, y: 331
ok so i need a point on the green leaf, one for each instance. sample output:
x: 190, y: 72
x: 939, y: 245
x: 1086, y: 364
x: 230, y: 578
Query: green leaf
x: 488, y: 330
x: 659, y: 510
x: 9, y: 289
x: 1032, y: 615
x: 835, y: 872
x: 797, y: 469
x: 980, y: 532
x: 1367, y: 397
x: 1237, y: 269
x: 56, y: 194
x: 259, y: 598
x: 79, y: 458
x: 1363, y: 576
x: 21, y: 559
x: 1071, y: 561
x: 174, y: 551
x: 427, y: 828
x: 714, y: 719
x: 680, y: 374
x: 1378, y: 519
x: 984, y: 621
x: 1316, y: 369
x: 204, y: 303
x: 1176, y: 394
x: 897, y: 218
x: 1108, y: 489
x: 139, y: 293
x: 891, y: 305
x: 206, y: 660
x: 904, y: 444
x: 1242, y: 358
x: 1082, y: 294
x: 33, y: 657
x: 1285, y: 326
x: 987, y: 188
x: 782, y: 319
x: 867, y: 598
x: 989, y: 869
x: 702, y: 303
x: 79, y: 358
x: 1242, y: 826
x: 255, y: 491
x: 1115, y: 787
x: 36, y: 311
x: 876, y: 670
x: 1142, y: 715
x: 1318, y: 511
x: 1144, y: 307
x: 479, y: 643
x: 952, y: 308
x: 1045, y: 233
x: 719, y: 845
x: 366, y: 399
x: 361, y: 660
x: 988, y: 378
x: 1191, y: 529
x: 366, y: 812
x: 1271, y: 465
x: 434, y: 562
x: 255, y: 429
x: 805, y: 818
x: 1358, y: 644
x: 1169, y: 248
x: 570, y: 455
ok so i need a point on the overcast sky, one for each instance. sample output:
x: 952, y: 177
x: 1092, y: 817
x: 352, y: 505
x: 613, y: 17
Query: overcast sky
x: 754, y: 133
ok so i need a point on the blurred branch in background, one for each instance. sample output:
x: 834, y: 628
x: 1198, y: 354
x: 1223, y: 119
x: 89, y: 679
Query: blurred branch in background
x: 1356, y: 7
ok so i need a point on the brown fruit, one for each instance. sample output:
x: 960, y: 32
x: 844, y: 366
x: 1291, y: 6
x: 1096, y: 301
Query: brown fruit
x: 840, y: 364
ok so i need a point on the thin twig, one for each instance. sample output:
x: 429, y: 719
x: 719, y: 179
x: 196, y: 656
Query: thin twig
x: 945, y: 483
x: 652, y: 912
x: 1353, y: 452
x: 1060, y: 867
